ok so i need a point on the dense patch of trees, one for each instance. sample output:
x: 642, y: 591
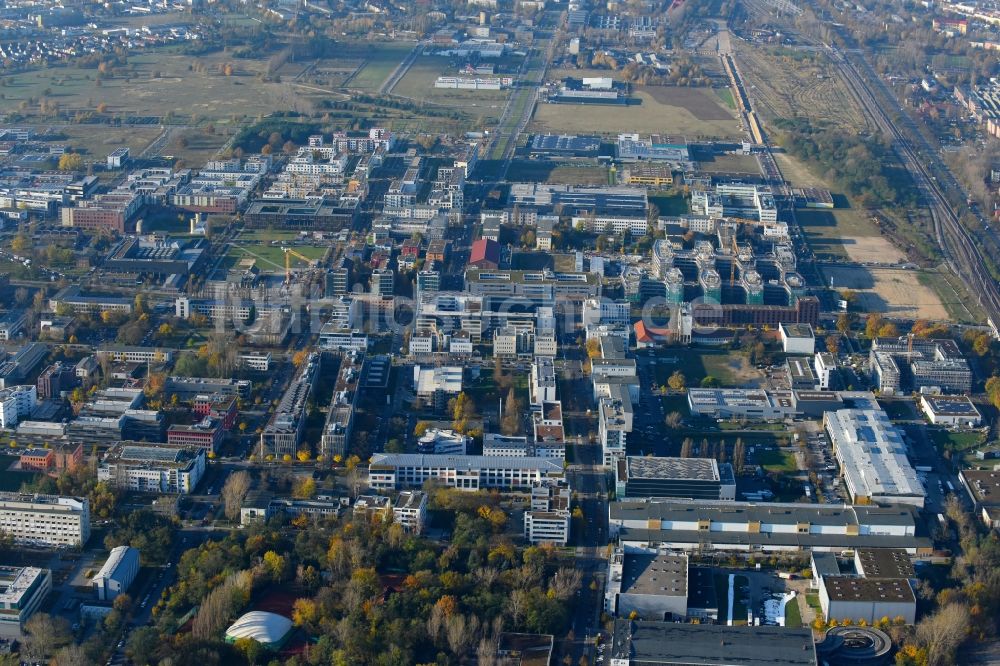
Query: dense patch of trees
x: 859, y: 165
x: 368, y: 591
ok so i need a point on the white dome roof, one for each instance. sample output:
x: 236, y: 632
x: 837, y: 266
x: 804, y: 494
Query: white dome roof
x: 261, y: 626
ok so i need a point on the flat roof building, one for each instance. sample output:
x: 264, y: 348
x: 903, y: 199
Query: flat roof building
x: 22, y: 591
x: 983, y: 487
x: 153, y: 469
x: 750, y: 404
x: 868, y: 599
x: 768, y: 527
x: 45, y: 520
x: 682, y: 478
x: 952, y: 411
x: 797, y: 338
x: 390, y: 471
x: 872, y: 457
x: 649, y: 643
x: 652, y: 585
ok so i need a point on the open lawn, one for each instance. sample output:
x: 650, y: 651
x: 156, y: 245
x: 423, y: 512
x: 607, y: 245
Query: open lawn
x: 272, y: 258
x: 730, y: 164
x: 896, y: 292
x: 775, y: 460
x: 731, y: 369
x: 485, y: 106
x: 381, y: 59
x: 94, y: 143
x: 846, y: 233
x: 957, y: 442
x: 793, y: 616
x: 690, y: 112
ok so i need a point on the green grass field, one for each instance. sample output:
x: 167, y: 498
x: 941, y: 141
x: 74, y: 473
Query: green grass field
x: 793, y: 616
x: 669, y: 203
x: 775, y: 460
x: 958, y: 442
x: 954, y: 297
x: 271, y: 258
x: 381, y: 60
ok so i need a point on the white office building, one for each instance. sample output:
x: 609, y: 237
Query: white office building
x: 22, y: 592
x: 389, y: 471
x: 153, y: 469
x: 17, y: 403
x: 410, y: 510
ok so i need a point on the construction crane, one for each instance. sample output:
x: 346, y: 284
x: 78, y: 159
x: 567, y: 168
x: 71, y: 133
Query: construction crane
x: 289, y: 253
x: 732, y: 264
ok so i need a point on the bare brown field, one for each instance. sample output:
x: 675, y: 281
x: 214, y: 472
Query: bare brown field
x: 781, y: 87
x: 663, y: 110
x: 96, y: 142
x: 702, y: 103
x: 895, y: 292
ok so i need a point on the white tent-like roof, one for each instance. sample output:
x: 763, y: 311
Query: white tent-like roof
x: 265, y: 628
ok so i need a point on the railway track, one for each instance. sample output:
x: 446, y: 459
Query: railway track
x: 960, y: 252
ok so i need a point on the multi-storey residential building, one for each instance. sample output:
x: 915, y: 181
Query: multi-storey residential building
x: 401, y: 470
x: 217, y: 406
x: 152, y: 469
x: 46, y: 520
x: 899, y: 364
x: 340, y: 419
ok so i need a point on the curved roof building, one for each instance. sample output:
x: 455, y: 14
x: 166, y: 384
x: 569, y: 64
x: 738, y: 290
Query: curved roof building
x: 269, y: 629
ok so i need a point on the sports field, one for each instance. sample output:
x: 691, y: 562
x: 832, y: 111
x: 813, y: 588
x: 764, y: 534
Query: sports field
x: 690, y: 112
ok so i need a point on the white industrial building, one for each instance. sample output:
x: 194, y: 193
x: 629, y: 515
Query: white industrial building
x: 117, y: 574
x: 749, y: 404
x: 651, y: 584
x: 872, y: 457
x: 542, y: 381
x: 952, y: 411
